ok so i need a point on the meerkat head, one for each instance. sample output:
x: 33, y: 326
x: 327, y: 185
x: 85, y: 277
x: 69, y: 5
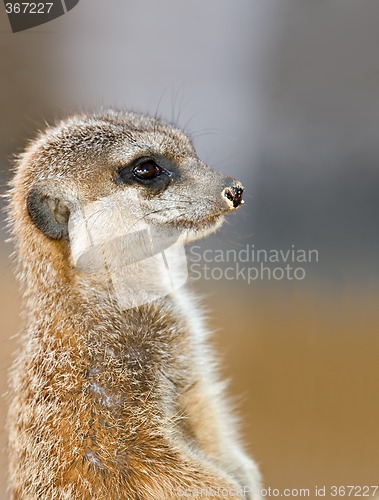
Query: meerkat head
x: 133, y: 158
x: 84, y: 184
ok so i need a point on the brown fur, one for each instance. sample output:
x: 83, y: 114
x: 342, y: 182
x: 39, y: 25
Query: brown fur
x: 106, y: 403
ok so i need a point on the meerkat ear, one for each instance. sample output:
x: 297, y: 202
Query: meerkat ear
x: 49, y: 213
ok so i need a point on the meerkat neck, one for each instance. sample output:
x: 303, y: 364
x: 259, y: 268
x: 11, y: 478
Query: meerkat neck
x: 86, y: 305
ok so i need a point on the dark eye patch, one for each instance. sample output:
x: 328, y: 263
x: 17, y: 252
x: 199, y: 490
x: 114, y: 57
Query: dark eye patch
x: 145, y: 171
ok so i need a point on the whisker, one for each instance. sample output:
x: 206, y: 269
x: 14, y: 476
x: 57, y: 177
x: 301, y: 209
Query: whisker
x: 158, y: 106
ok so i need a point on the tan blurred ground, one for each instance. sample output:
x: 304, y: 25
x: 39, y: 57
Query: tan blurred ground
x: 304, y: 365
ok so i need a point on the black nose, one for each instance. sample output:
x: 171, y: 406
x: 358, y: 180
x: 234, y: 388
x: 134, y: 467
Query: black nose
x: 233, y: 194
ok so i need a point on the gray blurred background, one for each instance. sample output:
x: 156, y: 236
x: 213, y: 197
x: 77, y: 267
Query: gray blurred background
x: 284, y: 95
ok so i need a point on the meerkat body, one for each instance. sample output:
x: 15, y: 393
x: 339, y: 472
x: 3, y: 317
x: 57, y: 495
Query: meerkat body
x: 107, y: 402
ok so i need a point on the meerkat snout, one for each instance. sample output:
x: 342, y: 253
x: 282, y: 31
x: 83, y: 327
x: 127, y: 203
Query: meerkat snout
x: 232, y: 192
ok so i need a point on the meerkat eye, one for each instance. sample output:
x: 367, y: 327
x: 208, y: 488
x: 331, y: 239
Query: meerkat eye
x: 147, y: 170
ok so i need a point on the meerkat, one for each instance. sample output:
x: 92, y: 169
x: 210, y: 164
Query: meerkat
x: 111, y: 402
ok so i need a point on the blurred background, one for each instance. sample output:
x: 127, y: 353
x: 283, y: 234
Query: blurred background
x: 284, y: 95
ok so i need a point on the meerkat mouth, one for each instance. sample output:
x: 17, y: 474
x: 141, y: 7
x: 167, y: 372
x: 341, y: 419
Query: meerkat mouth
x: 195, y: 229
